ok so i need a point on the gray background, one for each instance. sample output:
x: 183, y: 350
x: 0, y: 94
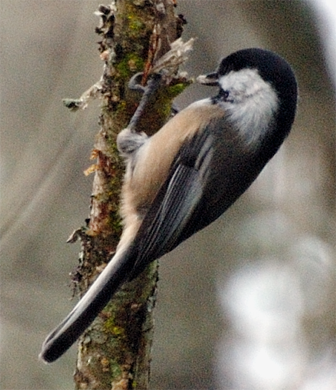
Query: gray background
x: 249, y: 303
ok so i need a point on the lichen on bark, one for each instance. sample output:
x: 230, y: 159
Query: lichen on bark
x: 114, y: 352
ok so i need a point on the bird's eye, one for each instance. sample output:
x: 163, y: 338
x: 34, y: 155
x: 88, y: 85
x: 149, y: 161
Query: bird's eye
x: 224, y: 95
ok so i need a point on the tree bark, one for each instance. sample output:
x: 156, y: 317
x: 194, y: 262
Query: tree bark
x: 114, y: 352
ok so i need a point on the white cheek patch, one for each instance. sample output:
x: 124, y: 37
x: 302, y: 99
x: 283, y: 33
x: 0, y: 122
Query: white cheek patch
x: 251, y: 104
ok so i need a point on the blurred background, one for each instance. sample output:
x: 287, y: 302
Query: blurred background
x: 249, y: 303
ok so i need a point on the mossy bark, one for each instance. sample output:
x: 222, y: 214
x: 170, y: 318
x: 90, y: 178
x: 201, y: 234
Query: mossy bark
x: 114, y: 352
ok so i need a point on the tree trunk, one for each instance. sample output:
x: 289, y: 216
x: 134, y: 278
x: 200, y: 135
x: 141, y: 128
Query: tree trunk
x: 114, y: 352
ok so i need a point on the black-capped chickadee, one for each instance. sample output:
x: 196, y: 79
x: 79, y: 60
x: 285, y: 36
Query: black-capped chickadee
x: 186, y: 175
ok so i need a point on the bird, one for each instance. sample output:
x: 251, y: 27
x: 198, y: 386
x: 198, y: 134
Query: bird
x: 182, y: 178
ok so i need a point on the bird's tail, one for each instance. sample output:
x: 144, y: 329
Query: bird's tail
x: 87, y: 309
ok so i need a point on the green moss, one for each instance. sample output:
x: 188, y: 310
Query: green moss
x: 116, y: 371
x: 130, y: 64
x: 138, y: 21
x: 177, y: 89
x: 121, y: 108
x: 115, y: 223
x: 113, y: 329
x: 118, y: 331
x: 123, y: 69
x: 135, y: 24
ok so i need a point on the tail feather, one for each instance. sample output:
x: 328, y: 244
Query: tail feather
x: 87, y: 309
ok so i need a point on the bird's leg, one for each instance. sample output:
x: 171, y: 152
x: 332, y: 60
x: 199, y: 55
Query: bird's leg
x: 131, y: 138
x: 149, y: 91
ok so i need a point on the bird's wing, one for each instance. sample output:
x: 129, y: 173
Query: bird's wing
x: 174, y: 206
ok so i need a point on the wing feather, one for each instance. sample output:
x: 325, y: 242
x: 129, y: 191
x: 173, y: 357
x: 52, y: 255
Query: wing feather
x: 175, y: 203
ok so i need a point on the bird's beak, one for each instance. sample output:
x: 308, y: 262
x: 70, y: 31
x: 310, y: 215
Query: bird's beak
x: 210, y: 79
